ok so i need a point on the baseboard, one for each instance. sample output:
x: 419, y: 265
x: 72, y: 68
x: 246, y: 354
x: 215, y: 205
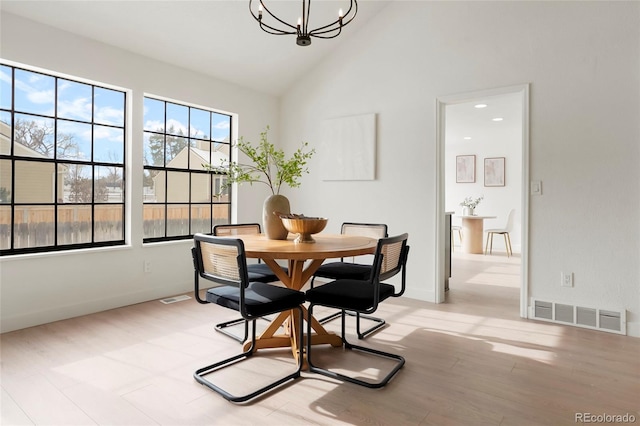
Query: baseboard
x: 63, y: 312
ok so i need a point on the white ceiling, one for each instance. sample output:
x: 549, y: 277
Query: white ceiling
x: 465, y: 120
x: 219, y: 38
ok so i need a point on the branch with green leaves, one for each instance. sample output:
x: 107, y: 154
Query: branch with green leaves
x: 269, y: 165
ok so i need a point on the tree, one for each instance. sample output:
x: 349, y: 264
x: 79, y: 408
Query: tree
x: 174, y: 144
x: 114, y: 177
x: 39, y: 136
x: 5, y: 195
x: 82, y: 188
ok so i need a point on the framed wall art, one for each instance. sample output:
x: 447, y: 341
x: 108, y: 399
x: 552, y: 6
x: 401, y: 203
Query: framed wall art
x: 494, y: 171
x: 465, y: 168
x: 349, y: 148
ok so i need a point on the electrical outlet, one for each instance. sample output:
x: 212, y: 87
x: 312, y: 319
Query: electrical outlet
x: 566, y: 279
x: 147, y: 266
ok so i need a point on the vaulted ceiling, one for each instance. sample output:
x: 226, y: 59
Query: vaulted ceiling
x: 219, y: 38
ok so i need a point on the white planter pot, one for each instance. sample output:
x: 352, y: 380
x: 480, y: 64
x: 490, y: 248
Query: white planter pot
x: 271, y: 223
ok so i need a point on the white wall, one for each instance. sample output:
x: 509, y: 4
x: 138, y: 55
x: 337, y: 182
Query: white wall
x: 41, y: 288
x: 582, y: 60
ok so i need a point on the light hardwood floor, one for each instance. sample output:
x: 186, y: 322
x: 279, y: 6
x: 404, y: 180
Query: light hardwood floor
x: 470, y: 361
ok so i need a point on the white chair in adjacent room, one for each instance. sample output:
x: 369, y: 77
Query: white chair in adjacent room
x: 456, y: 228
x: 501, y: 231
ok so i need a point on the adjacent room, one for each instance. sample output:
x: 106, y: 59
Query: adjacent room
x: 498, y: 141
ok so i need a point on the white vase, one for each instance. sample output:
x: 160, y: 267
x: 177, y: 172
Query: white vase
x: 271, y: 223
x: 467, y: 211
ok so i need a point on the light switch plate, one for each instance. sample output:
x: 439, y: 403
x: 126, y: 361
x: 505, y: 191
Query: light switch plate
x: 536, y: 187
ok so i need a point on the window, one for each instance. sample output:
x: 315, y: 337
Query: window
x: 181, y: 196
x: 62, y: 161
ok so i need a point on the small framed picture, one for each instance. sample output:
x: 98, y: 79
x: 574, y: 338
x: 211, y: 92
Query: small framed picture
x: 465, y: 168
x: 494, y: 171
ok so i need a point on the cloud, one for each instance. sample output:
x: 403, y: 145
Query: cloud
x: 79, y: 108
x: 110, y: 115
x: 108, y: 133
x: 5, y: 77
x: 223, y: 125
x: 34, y: 95
x: 154, y: 125
x: 177, y: 126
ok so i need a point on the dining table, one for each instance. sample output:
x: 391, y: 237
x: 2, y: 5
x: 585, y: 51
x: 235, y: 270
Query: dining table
x: 473, y: 233
x: 303, y: 260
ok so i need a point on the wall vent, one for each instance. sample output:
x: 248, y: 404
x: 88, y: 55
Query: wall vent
x: 610, y: 320
x: 580, y: 316
x: 543, y: 310
x: 564, y: 313
x: 587, y: 317
x: 175, y: 299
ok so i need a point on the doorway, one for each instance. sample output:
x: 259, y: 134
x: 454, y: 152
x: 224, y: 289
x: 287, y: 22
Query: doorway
x: 478, y: 128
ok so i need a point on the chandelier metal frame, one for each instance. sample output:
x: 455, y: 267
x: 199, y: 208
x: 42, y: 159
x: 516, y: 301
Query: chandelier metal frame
x: 301, y: 30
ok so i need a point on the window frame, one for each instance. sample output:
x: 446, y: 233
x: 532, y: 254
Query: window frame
x: 188, y: 170
x: 61, y: 196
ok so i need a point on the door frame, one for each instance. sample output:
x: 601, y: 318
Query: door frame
x: 441, y: 103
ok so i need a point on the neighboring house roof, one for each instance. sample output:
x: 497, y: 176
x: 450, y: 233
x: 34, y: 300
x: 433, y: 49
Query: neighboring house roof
x: 201, y: 157
x: 217, y: 157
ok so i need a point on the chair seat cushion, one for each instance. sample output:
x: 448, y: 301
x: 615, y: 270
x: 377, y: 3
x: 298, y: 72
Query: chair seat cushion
x: 344, y: 270
x: 353, y: 295
x: 260, y: 298
x: 262, y: 272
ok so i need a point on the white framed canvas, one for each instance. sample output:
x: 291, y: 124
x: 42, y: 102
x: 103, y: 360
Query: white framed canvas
x: 348, y: 148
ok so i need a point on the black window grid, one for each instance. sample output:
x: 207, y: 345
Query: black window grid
x: 56, y: 203
x: 186, y: 170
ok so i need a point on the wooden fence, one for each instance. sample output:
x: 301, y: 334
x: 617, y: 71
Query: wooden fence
x: 34, y: 225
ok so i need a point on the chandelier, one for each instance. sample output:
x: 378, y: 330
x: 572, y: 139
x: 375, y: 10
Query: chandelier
x: 277, y: 26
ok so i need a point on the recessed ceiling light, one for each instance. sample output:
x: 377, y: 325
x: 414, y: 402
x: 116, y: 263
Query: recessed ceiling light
x: 467, y: 138
x: 480, y: 106
x: 497, y: 119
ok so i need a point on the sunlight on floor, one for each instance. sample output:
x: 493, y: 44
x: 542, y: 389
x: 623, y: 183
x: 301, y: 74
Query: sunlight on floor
x: 490, y: 282
x: 502, y: 335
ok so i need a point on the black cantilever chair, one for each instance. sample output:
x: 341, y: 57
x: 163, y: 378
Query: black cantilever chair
x: 350, y: 270
x: 362, y: 296
x: 223, y: 262
x: 257, y: 272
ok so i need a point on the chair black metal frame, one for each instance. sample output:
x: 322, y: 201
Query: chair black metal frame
x: 257, y: 272
x: 342, y: 269
x: 362, y: 296
x: 223, y: 261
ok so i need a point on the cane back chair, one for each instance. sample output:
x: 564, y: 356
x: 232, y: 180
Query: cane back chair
x: 362, y: 296
x: 223, y: 262
x: 344, y: 269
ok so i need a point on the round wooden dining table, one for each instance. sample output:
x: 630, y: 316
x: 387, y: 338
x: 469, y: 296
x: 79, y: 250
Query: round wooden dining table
x: 303, y: 261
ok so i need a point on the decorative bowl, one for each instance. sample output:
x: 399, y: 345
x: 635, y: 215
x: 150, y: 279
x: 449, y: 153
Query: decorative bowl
x: 304, y: 227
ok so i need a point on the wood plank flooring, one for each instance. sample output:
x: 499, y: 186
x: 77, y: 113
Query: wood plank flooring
x: 470, y: 361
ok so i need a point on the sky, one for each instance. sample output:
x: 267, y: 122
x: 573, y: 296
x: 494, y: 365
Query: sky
x: 34, y: 100
x: 33, y: 96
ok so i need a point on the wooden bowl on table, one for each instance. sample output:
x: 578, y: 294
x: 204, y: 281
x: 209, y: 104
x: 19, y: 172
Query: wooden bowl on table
x: 303, y: 226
